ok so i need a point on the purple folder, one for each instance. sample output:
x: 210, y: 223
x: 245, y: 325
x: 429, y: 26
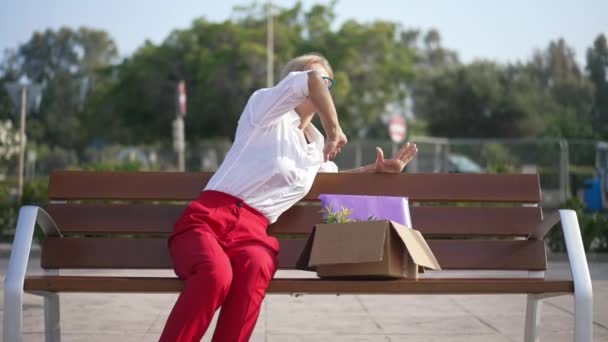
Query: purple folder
x: 380, y: 207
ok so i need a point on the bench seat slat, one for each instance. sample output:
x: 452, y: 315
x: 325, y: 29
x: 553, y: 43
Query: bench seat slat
x: 151, y: 253
x: 283, y: 285
x: 150, y: 186
x: 159, y: 219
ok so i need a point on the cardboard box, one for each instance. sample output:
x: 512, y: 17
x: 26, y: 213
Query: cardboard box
x: 371, y: 249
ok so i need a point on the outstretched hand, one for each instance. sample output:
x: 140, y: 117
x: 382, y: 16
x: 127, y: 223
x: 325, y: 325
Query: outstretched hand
x: 399, y: 160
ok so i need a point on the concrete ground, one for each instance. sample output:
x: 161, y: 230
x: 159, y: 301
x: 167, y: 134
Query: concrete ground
x: 138, y: 317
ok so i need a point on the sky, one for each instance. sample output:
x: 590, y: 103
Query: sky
x: 505, y: 31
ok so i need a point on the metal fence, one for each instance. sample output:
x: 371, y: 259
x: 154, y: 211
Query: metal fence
x: 562, y: 165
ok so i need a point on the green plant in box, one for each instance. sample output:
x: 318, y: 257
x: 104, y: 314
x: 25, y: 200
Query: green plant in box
x: 330, y: 216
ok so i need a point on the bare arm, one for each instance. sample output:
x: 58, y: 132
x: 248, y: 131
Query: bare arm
x: 321, y: 99
x: 319, y: 96
x: 393, y: 165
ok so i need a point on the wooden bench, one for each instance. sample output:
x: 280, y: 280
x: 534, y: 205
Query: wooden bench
x: 493, y: 244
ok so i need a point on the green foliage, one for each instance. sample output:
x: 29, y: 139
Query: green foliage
x: 224, y: 63
x: 35, y: 192
x: 66, y: 62
x: 342, y: 216
x: 593, y: 226
x: 65, y: 51
x: 7, y: 110
x: 498, y: 159
x: 597, y: 66
x: 482, y: 99
x: 131, y: 166
x: 547, y: 96
x: 330, y: 216
x: 569, y: 92
x: 8, y: 208
x: 54, y: 158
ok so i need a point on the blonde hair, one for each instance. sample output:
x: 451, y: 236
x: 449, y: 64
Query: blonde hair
x: 300, y: 63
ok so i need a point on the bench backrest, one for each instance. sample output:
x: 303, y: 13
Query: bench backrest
x: 122, y: 220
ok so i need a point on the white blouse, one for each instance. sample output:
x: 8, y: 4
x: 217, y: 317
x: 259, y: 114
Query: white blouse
x: 270, y: 165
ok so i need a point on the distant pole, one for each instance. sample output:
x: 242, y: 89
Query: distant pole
x: 22, y: 140
x: 27, y: 95
x: 181, y: 144
x: 269, y: 46
x: 179, y: 135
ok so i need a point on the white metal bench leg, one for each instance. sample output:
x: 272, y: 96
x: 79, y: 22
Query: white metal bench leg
x: 52, y: 331
x: 583, y: 291
x: 13, y: 313
x: 583, y: 317
x: 534, y: 306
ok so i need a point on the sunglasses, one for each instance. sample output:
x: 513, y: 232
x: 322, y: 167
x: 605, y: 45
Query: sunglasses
x: 329, y: 81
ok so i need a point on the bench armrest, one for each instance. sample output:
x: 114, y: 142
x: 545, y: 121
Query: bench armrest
x: 545, y: 226
x: 29, y: 216
x: 46, y: 223
x: 574, y: 247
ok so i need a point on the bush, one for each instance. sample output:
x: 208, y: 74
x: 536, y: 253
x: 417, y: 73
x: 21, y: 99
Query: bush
x: 35, y: 192
x: 498, y: 158
x: 54, y: 158
x: 114, y: 166
x: 8, y: 208
x: 593, y: 226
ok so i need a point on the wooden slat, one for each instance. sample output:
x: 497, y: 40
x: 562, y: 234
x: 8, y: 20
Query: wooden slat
x: 115, y: 219
x: 82, y: 185
x: 156, y: 218
x: 492, y: 254
x: 431, y: 221
x: 423, y: 286
x: 186, y: 186
x: 152, y: 253
x: 490, y: 221
x: 288, y: 286
x: 433, y: 187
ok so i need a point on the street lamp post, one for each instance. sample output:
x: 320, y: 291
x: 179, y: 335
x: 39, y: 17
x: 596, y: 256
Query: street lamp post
x: 179, y: 136
x: 22, y: 140
x: 19, y: 92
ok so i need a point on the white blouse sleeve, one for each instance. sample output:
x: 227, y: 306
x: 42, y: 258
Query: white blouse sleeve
x: 329, y: 167
x: 268, y: 104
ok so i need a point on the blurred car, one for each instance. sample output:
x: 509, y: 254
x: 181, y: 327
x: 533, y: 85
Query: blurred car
x: 459, y: 163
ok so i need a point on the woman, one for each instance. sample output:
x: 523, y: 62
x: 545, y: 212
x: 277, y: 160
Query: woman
x: 219, y: 245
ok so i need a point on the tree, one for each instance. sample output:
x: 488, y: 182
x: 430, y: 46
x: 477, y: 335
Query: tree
x: 8, y: 73
x: 221, y: 63
x: 65, y: 51
x: 434, y: 55
x: 567, y: 108
x: 224, y: 63
x: 373, y: 68
x: 65, y: 62
x: 597, y: 67
x: 546, y: 96
x: 482, y: 99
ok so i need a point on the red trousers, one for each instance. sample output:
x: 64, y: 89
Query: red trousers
x: 220, y: 249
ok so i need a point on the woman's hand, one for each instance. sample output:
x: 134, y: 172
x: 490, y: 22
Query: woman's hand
x: 399, y: 160
x: 333, y: 145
